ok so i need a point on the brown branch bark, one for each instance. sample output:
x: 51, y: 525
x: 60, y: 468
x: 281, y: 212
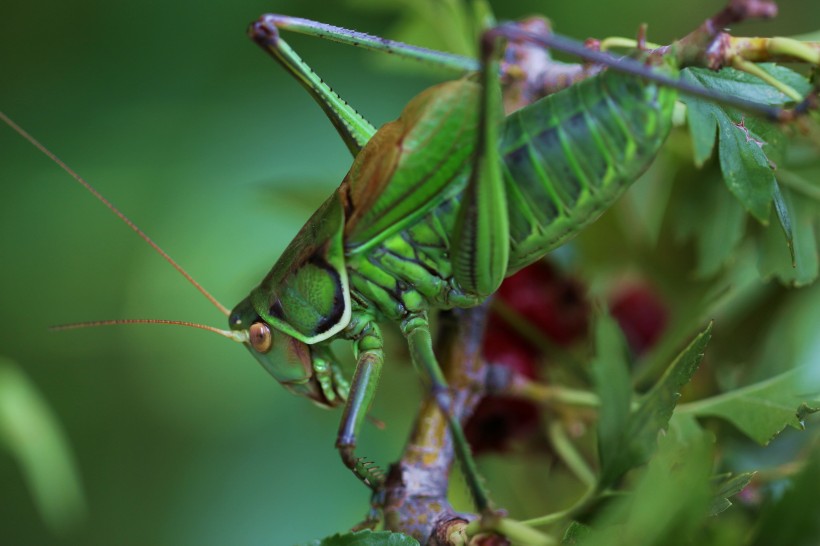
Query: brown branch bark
x: 414, y: 497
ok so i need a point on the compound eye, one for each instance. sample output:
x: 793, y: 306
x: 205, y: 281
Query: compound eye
x: 261, y: 338
x: 235, y: 321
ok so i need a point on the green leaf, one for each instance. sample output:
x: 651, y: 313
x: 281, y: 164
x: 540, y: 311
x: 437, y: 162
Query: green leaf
x: 29, y: 430
x: 611, y: 375
x: 729, y: 487
x: 785, y: 218
x: 575, y: 534
x: 748, y: 148
x: 703, y: 115
x: 631, y: 443
x: 802, y: 268
x: 670, y: 501
x: 702, y: 126
x: 720, y: 230
x: 792, y: 519
x: 763, y: 410
x: 746, y: 169
x: 366, y: 538
x: 656, y: 407
x: 741, y: 84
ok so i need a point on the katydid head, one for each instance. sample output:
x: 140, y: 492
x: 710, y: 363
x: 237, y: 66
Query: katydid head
x: 303, y: 301
x: 286, y: 358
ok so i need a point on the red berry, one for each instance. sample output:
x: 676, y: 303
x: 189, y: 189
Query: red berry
x: 555, y: 305
x: 641, y: 314
x: 502, y: 345
x: 552, y: 302
x: 499, y: 420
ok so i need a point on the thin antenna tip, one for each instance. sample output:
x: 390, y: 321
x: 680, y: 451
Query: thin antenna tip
x: 240, y: 336
x: 97, y: 195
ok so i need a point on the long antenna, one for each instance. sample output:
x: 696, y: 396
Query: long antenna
x: 22, y: 132
x: 240, y: 336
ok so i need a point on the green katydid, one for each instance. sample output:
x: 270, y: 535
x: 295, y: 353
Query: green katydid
x: 438, y: 208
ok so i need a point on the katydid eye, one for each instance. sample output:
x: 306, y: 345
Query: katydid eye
x: 260, y: 337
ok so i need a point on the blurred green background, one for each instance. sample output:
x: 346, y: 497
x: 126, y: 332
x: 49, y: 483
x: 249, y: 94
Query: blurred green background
x: 176, y: 117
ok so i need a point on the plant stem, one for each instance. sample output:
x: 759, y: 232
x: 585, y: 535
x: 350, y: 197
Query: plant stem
x: 569, y: 455
x: 548, y: 519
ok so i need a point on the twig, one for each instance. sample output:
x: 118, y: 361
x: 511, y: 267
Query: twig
x: 415, y: 492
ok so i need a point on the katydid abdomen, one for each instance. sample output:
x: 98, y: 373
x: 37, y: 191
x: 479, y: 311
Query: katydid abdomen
x: 566, y: 159
x: 570, y: 156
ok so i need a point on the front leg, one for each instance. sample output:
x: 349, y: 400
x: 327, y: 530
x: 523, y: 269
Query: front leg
x: 369, y: 350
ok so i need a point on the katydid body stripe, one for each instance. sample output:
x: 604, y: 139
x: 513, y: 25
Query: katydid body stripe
x: 567, y: 158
